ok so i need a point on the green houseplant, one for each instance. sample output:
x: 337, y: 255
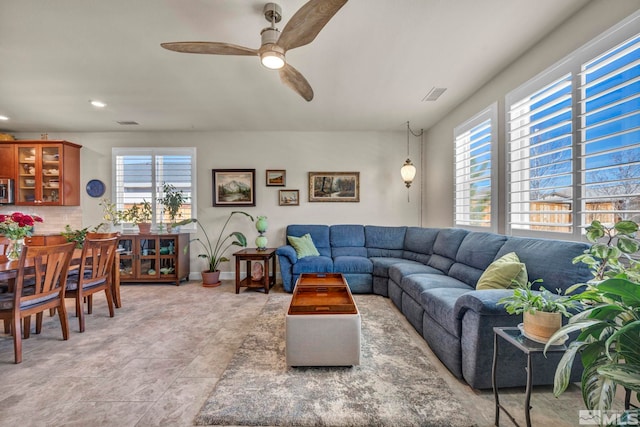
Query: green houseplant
x: 609, y: 338
x: 171, y: 201
x: 214, y: 250
x: 542, y: 310
x: 139, y: 214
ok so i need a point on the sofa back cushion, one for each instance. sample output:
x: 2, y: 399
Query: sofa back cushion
x: 418, y: 243
x: 319, y: 234
x: 549, y: 260
x: 446, y: 247
x: 347, y: 240
x: 476, y: 252
x: 384, y: 241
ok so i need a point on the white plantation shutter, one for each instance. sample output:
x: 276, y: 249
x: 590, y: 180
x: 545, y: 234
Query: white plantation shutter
x: 139, y: 174
x: 610, y: 135
x: 474, y: 145
x: 540, y: 147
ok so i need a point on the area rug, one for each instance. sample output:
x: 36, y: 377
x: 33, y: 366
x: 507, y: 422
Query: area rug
x: 394, y: 385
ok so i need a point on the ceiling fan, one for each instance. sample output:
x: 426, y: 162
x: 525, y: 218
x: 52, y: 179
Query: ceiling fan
x: 302, y: 29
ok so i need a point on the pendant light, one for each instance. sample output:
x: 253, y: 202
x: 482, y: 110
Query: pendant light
x: 408, y: 170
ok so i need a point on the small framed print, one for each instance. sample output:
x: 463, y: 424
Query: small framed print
x: 234, y: 187
x: 289, y: 197
x: 276, y: 177
x: 334, y: 186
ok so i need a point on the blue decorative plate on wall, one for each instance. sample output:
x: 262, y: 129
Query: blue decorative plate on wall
x: 95, y: 188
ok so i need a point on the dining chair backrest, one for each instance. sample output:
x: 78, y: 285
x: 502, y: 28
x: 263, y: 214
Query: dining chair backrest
x: 92, y: 235
x: 50, y: 265
x: 97, y: 258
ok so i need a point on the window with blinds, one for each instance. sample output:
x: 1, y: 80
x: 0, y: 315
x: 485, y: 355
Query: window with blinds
x: 474, y: 172
x: 140, y: 173
x: 573, y: 139
x: 610, y: 135
x: 540, y: 150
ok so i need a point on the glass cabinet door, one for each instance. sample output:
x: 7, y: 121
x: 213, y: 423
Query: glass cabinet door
x: 50, y: 169
x: 127, y: 256
x: 148, y: 257
x: 27, y: 185
x: 167, y: 257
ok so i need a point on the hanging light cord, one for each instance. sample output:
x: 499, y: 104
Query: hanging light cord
x: 416, y: 134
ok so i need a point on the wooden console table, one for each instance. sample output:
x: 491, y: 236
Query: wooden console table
x: 252, y: 254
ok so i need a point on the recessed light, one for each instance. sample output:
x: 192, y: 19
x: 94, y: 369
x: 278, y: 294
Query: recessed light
x: 98, y: 104
x: 4, y: 118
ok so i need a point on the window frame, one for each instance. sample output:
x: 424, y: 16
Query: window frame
x: 490, y: 113
x: 153, y: 152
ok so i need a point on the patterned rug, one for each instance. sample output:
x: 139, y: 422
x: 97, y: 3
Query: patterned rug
x: 394, y: 385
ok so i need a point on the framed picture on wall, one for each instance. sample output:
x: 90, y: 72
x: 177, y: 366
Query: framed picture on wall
x: 334, y: 186
x: 276, y: 177
x: 234, y: 187
x: 289, y: 198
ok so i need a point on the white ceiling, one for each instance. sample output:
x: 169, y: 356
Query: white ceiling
x: 370, y: 67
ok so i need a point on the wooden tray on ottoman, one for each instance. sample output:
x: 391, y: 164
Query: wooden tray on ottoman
x: 323, y: 323
x: 322, y: 294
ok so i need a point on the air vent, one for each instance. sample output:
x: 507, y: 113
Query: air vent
x: 434, y: 94
x: 128, y: 123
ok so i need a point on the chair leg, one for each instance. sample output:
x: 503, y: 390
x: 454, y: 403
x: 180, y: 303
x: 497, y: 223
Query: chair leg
x: 17, y: 337
x: 80, y: 312
x: 109, y: 301
x: 90, y: 304
x: 64, y: 322
x: 52, y: 312
x: 26, y: 331
x: 39, y: 317
x: 7, y: 326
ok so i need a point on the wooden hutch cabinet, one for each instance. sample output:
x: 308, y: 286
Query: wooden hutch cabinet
x: 47, y: 173
x: 154, y: 258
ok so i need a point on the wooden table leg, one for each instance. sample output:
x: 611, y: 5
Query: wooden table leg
x: 266, y: 278
x: 237, y: 275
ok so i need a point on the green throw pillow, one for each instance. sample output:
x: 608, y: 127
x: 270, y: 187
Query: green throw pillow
x: 303, y: 245
x: 503, y: 273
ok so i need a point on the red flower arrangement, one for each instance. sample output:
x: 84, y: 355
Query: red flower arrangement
x: 17, y: 225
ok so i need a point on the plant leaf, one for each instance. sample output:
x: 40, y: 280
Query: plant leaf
x: 563, y: 371
x: 627, y: 245
x: 598, y: 390
x: 627, y: 290
x: 626, y: 227
x: 624, y: 374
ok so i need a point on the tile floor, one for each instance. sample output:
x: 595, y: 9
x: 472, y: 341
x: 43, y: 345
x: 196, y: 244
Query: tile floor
x: 157, y: 360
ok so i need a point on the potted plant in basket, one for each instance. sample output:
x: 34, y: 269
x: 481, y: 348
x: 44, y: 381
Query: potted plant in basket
x: 609, y: 339
x: 214, y: 250
x: 171, y: 202
x: 139, y: 214
x: 541, y: 310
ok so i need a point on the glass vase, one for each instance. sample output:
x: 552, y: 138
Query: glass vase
x: 15, y: 249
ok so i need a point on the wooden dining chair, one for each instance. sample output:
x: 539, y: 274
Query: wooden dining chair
x: 93, y: 275
x: 115, y: 270
x: 49, y: 266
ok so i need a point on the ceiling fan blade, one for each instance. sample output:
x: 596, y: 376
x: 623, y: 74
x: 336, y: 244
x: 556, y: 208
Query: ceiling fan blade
x: 296, y: 81
x: 307, y: 22
x: 212, y: 48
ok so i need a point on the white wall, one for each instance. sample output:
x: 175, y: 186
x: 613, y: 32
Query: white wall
x: 595, y: 18
x: 378, y: 157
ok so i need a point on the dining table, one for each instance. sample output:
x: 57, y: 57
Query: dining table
x: 9, y: 270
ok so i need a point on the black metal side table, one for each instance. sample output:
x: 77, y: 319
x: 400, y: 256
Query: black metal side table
x: 513, y: 336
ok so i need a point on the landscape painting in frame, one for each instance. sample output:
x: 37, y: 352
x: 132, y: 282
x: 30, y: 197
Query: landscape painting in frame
x: 334, y: 186
x: 234, y: 187
x: 289, y: 198
x: 276, y: 178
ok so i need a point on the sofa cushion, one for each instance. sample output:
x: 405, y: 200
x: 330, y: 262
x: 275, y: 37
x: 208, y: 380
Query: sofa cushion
x: 418, y: 243
x: 347, y: 240
x: 384, y: 241
x: 403, y: 269
x: 416, y: 284
x: 381, y: 265
x: 479, y: 249
x: 549, y: 260
x: 352, y: 264
x: 503, y: 273
x: 303, y: 245
x: 446, y: 247
x: 319, y: 235
x: 313, y: 264
x: 440, y: 304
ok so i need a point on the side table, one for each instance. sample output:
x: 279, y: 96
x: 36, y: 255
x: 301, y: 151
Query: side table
x: 253, y: 254
x: 513, y: 336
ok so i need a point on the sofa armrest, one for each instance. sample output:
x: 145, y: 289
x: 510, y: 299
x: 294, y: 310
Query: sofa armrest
x: 289, y: 252
x: 484, y: 302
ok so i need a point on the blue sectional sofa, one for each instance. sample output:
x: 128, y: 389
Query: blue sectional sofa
x: 430, y: 274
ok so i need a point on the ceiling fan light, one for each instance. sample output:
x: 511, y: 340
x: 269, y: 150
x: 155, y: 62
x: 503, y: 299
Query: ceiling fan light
x: 272, y: 60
